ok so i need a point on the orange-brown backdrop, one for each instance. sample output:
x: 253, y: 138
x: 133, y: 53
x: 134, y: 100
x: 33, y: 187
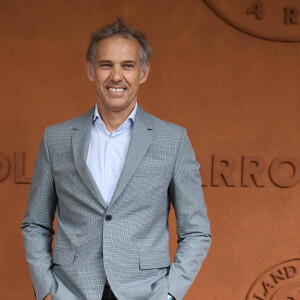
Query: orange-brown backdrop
x: 237, y: 95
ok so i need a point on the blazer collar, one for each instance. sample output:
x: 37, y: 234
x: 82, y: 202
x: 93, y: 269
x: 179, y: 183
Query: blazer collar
x: 141, y: 138
x: 80, y: 142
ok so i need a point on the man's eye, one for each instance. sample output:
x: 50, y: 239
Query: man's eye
x: 104, y: 65
x: 128, y: 66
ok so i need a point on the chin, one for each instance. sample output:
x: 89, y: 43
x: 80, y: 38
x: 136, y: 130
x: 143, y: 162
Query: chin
x: 118, y: 104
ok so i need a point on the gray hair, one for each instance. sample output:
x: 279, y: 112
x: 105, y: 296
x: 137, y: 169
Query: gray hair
x: 119, y: 27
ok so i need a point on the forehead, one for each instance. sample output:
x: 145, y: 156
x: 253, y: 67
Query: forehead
x: 118, y: 47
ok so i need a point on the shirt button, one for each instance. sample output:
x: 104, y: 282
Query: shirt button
x: 108, y: 217
x: 101, y: 123
x: 111, y: 140
x: 109, y: 170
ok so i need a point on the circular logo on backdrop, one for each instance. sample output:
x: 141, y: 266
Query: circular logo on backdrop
x: 281, y: 282
x: 277, y: 20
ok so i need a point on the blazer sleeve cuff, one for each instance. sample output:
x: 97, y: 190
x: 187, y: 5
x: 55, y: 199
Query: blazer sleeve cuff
x: 42, y: 285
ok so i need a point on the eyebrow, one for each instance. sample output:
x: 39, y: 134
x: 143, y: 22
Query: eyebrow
x: 104, y: 61
x: 125, y: 61
x: 130, y: 62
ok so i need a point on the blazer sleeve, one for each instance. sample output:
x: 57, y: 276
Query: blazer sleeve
x: 193, y: 228
x: 37, y: 225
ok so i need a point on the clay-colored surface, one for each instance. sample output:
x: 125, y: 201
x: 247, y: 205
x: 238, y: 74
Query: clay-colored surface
x: 237, y: 95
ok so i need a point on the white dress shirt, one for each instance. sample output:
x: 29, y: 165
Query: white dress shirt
x: 107, y: 153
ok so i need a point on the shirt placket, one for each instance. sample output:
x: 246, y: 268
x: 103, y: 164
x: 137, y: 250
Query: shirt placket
x: 108, y: 169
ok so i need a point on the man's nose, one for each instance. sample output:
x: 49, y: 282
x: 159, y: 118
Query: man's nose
x: 116, y: 74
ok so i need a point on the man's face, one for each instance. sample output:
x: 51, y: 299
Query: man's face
x: 117, y: 73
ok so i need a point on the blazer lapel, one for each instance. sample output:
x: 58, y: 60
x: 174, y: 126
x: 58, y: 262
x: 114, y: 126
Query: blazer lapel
x: 80, y: 142
x: 141, y: 138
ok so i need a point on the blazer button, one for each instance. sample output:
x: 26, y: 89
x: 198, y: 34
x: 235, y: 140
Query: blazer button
x: 108, y: 217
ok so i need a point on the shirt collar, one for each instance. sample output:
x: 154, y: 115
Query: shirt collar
x: 130, y: 117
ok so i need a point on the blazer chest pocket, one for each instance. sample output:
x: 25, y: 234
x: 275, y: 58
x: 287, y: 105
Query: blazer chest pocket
x: 154, y: 260
x: 63, y: 257
x: 151, y: 172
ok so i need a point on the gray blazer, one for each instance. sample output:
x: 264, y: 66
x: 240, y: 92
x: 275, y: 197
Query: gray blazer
x: 127, y: 243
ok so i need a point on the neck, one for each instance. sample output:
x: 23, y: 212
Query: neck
x: 113, y: 119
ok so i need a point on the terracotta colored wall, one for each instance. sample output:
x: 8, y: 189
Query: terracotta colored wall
x: 237, y: 95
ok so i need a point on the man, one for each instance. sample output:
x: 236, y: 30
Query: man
x: 110, y: 176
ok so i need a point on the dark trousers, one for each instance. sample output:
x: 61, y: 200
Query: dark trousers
x: 108, y: 294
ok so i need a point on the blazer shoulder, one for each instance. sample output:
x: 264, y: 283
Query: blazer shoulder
x: 164, y: 126
x: 74, y: 123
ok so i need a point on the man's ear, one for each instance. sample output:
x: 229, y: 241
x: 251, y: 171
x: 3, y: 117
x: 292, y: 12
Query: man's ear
x: 89, y: 70
x: 144, y: 73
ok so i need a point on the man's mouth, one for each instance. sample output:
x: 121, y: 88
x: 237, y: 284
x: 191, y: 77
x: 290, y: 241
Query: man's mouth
x: 116, y: 92
x: 117, y: 89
